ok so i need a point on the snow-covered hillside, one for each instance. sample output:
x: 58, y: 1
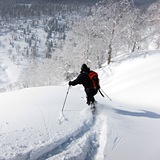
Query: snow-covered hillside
x: 32, y: 125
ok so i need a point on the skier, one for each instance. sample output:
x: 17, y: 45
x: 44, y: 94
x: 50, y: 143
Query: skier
x: 84, y: 79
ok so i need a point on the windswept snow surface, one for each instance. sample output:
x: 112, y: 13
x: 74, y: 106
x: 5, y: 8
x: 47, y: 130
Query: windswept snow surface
x: 32, y: 126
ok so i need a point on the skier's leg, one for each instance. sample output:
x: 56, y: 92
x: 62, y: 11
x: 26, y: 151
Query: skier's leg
x: 89, y: 97
x: 90, y: 93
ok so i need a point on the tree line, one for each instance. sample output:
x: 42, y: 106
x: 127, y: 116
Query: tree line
x: 94, y: 35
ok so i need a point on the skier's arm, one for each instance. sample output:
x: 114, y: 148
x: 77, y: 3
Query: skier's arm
x: 78, y: 80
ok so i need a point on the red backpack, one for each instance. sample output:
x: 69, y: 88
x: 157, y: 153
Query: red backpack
x: 95, y: 80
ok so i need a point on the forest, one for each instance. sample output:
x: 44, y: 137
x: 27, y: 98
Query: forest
x: 52, y: 40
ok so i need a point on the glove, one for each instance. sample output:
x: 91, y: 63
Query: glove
x: 70, y: 83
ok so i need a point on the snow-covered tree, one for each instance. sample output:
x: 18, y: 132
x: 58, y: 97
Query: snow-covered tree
x: 110, y: 28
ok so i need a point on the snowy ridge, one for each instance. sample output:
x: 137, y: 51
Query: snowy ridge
x: 133, y: 55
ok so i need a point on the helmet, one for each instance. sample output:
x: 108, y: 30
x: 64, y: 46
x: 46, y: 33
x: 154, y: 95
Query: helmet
x: 84, y: 67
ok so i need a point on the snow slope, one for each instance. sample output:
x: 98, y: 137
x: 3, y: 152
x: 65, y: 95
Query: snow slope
x: 32, y: 125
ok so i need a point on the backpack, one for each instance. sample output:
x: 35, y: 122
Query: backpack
x: 94, y: 79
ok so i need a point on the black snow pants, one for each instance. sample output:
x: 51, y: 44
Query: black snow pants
x: 90, y: 93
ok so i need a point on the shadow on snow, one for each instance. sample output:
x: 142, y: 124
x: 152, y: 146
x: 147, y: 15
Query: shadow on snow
x: 144, y: 113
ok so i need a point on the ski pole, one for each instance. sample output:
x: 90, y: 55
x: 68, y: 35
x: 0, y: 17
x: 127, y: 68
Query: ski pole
x: 101, y: 93
x: 104, y: 94
x: 65, y: 98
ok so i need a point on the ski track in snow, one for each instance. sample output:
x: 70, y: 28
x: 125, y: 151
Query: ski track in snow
x: 87, y: 142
